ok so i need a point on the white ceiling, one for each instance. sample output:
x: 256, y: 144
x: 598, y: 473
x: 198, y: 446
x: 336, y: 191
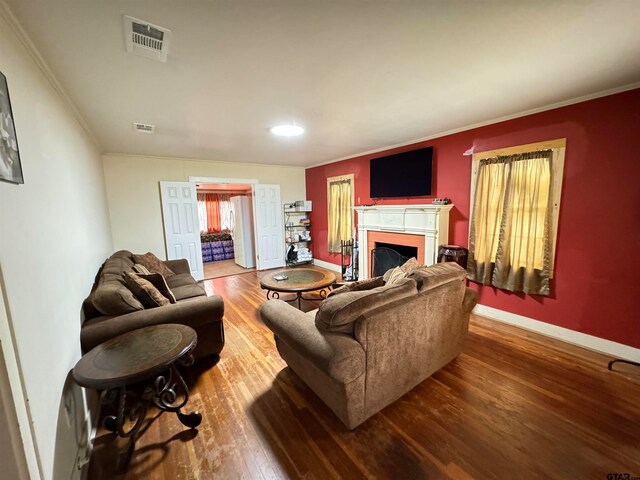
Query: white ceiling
x: 358, y: 75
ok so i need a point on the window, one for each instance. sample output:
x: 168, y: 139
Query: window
x: 215, y: 212
x: 340, y: 210
x: 515, y: 200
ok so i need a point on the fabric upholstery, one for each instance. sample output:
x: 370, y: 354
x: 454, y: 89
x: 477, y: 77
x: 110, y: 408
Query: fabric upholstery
x: 437, y: 274
x: 180, y: 279
x: 111, y: 296
x: 338, y: 356
x: 357, y: 286
x: 393, y: 275
x: 338, y: 313
x: 193, y: 307
x: 188, y: 291
x: 159, y: 282
x: 141, y: 269
x: 400, y: 341
x: 153, y: 264
x: 178, y: 266
x: 144, y: 290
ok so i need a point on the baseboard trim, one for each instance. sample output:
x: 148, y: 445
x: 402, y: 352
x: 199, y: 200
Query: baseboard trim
x: 329, y: 266
x: 601, y: 345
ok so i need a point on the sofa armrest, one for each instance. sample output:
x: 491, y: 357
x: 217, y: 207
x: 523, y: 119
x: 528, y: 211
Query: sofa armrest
x: 192, y: 312
x: 470, y: 300
x: 180, y: 265
x: 337, y: 355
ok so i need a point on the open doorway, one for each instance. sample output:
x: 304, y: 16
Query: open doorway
x: 225, y: 217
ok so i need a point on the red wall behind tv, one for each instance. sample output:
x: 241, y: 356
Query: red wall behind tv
x: 595, y: 285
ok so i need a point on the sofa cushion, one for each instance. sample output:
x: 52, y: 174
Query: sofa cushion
x: 180, y: 279
x: 358, y: 286
x: 438, y: 274
x: 149, y: 295
x: 188, y: 291
x: 111, y: 296
x: 339, y: 312
x: 158, y: 281
x: 153, y: 264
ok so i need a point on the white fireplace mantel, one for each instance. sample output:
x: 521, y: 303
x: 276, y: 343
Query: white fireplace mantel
x: 428, y: 221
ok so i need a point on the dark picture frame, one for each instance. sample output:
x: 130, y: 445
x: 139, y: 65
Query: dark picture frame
x: 10, y: 165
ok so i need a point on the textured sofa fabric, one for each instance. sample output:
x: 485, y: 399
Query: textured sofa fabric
x: 193, y: 307
x: 391, y: 348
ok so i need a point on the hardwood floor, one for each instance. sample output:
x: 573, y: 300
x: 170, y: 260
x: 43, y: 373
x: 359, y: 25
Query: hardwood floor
x: 514, y: 404
x: 223, y: 268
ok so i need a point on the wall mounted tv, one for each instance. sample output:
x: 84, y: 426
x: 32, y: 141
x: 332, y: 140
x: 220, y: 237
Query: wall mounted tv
x: 406, y: 174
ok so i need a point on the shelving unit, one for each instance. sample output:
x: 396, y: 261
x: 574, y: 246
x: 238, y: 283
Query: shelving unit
x: 297, y: 233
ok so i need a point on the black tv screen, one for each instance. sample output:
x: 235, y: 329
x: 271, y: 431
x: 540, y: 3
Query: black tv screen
x: 406, y: 174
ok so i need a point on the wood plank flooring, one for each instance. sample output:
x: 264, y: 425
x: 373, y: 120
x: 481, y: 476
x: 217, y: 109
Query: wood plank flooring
x: 514, y: 404
x: 223, y: 268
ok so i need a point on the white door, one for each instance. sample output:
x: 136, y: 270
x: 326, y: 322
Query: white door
x: 243, y: 245
x: 269, y: 226
x: 181, y: 228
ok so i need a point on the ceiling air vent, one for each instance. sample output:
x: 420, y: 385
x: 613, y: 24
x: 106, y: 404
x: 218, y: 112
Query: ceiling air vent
x: 145, y: 39
x: 144, y: 128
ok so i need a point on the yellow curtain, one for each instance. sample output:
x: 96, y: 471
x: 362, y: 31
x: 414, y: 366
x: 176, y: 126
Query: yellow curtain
x: 340, y: 214
x: 510, y: 244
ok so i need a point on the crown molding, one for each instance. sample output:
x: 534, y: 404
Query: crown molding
x: 21, y: 34
x: 203, y: 160
x: 564, y: 103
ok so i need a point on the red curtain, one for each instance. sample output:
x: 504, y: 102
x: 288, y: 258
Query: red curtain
x: 213, y: 212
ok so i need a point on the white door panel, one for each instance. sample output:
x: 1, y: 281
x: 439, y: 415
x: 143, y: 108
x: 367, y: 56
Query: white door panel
x: 269, y: 226
x: 181, y: 230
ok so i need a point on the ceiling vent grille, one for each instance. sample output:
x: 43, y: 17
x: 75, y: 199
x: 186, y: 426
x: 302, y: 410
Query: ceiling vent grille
x: 145, y: 39
x: 144, y: 128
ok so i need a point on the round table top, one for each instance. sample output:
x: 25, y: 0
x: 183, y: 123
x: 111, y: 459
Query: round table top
x: 133, y: 356
x: 299, y: 280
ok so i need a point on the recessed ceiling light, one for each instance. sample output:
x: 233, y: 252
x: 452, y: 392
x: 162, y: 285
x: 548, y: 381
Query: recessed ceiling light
x: 287, y: 130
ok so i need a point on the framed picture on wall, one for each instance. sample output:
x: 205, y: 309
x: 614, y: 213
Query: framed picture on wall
x: 10, y: 167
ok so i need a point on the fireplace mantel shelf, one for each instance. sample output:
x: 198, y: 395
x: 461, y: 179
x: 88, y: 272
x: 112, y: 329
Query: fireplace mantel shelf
x: 431, y: 222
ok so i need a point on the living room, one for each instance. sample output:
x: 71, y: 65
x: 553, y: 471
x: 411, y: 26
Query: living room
x: 91, y: 188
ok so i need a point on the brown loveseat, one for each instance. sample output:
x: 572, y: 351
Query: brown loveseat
x: 362, y: 350
x: 111, y: 309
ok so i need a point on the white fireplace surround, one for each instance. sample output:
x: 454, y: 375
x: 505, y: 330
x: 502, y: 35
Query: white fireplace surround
x: 428, y: 221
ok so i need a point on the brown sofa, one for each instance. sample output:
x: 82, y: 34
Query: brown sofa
x: 362, y: 350
x: 111, y: 309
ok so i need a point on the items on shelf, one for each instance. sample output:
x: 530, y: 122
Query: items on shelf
x: 297, y: 235
x: 349, y: 259
x: 441, y: 201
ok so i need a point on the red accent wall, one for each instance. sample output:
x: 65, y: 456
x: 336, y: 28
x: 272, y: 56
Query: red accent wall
x: 595, y: 286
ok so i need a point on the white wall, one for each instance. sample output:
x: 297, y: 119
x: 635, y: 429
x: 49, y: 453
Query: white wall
x: 134, y: 195
x: 54, y: 234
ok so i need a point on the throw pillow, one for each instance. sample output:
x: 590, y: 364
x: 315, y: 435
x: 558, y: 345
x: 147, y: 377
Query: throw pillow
x: 141, y: 269
x: 158, y: 281
x: 410, y: 265
x: 149, y: 295
x: 393, y: 276
x: 358, y: 286
x: 153, y: 264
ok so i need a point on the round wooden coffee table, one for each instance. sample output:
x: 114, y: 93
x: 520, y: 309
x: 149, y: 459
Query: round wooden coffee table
x: 137, y: 369
x: 298, y: 281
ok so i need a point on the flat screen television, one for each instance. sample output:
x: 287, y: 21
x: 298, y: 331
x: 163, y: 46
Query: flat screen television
x: 406, y: 174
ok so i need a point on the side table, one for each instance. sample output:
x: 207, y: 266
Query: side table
x: 137, y: 369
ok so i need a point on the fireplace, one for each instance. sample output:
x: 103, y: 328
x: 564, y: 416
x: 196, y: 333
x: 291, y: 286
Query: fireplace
x: 420, y: 227
x: 386, y: 256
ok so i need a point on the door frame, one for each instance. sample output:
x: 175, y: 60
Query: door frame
x: 241, y: 181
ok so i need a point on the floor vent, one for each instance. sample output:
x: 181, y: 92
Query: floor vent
x: 145, y: 39
x: 144, y: 128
